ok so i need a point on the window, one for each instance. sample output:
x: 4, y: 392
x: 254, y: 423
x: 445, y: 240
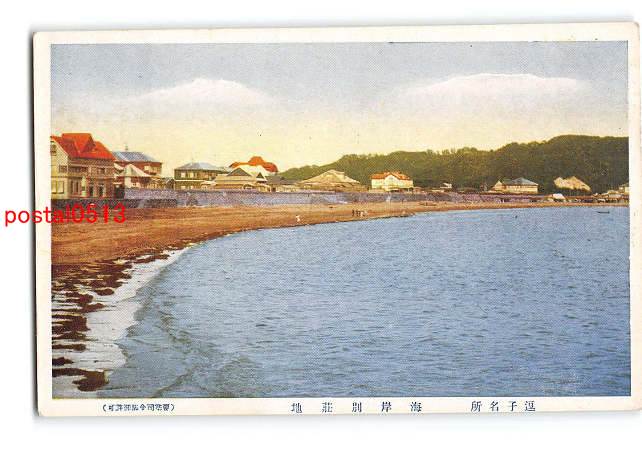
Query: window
x: 52, y: 149
x: 62, y: 169
x: 57, y: 187
x: 191, y: 174
x: 75, y: 187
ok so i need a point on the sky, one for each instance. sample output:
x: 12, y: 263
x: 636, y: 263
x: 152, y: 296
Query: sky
x: 298, y: 104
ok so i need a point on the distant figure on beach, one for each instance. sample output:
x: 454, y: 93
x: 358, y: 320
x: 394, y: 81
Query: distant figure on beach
x: 298, y: 218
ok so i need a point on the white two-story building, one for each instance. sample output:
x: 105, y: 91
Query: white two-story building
x: 391, y: 182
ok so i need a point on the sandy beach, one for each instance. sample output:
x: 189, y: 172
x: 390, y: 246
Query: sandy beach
x: 150, y: 231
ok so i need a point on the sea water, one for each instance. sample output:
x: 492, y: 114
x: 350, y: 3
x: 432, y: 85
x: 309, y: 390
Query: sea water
x: 523, y: 302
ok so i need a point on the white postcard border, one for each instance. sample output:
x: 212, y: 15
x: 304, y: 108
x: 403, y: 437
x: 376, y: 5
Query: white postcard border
x: 373, y: 405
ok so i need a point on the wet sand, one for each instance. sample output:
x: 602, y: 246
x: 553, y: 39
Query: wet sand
x: 91, y: 261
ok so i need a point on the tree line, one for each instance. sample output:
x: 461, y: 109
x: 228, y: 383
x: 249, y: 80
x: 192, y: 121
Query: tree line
x: 601, y: 162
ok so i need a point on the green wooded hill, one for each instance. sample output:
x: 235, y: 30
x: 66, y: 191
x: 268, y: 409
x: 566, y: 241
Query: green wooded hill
x: 601, y: 162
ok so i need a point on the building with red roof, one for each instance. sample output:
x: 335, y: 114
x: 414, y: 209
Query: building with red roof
x: 256, y: 165
x: 391, y: 182
x: 80, y: 167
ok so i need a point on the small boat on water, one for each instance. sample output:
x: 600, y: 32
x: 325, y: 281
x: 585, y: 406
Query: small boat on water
x: 603, y: 212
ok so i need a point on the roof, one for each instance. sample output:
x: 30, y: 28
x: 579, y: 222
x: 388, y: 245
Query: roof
x: 82, y: 145
x: 238, y: 173
x: 521, y: 181
x: 573, y: 183
x: 201, y: 166
x: 133, y: 157
x: 131, y: 170
x: 278, y: 180
x: 257, y: 161
x: 382, y: 175
x: 331, y: 176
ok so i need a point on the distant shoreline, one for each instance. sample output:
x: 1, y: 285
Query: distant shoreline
x: 149, y: 232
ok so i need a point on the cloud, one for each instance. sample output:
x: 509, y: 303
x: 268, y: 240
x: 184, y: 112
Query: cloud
x: 495, y: 85
x: 494, y: 93
x: 201, y: 100
x: 203, y: 91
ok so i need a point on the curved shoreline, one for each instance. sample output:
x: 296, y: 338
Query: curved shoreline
x: 152, y: 231
x: 86, y: 288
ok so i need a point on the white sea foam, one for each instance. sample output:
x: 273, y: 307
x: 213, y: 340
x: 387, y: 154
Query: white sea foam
x: 106, y: 326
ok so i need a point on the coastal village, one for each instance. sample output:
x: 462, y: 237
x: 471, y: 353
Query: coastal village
x: 164, y: 216
x: 83, y: 168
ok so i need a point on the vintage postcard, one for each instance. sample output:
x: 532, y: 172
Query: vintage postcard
x: 387, y: 220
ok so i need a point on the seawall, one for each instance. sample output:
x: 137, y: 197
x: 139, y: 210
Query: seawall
x: 167, y: 198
